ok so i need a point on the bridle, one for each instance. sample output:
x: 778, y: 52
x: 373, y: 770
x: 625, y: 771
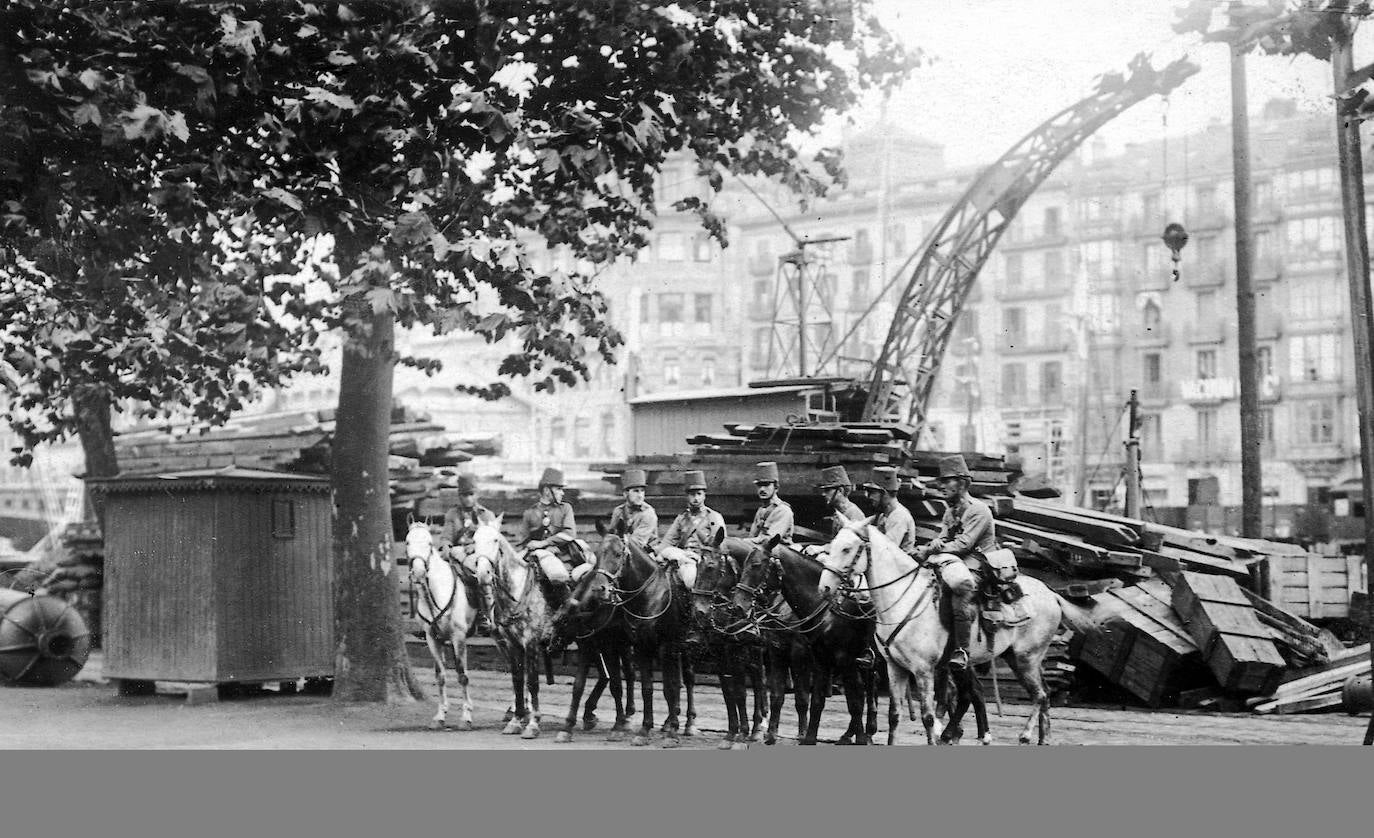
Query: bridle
x: 866, y: 548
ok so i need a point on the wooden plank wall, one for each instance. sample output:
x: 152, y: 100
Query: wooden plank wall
x: 275, y: 594
x: 1315, y: 587
x: 160, y: 621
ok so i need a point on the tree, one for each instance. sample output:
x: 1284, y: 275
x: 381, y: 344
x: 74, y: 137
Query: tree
x: 433, y: 142
x: 116, y: 284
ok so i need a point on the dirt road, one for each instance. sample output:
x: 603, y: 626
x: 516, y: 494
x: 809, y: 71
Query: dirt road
x: 87, y: 714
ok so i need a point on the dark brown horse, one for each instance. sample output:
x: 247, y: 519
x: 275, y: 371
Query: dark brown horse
x: 723, y: 630
x: 602, y: 642
x: 836, y: 629
x: 654, y: 608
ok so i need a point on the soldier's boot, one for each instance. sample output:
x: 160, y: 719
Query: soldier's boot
x: 965, y: 612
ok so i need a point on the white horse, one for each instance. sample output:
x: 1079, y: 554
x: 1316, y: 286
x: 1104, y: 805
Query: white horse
x: 448, y: 603
x: 522, y: 624
x: 913, y: 637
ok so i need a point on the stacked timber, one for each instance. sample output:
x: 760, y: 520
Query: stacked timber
x: 1316, y: 688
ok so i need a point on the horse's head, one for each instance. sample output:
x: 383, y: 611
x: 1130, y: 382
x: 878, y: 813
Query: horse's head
x: 419, y: 548
x: 489, y: 549
x: 760, y: 577
x: 596, y: 590
x: 847, y: 555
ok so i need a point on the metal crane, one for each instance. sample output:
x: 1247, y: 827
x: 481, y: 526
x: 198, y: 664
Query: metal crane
x: 955, y: 250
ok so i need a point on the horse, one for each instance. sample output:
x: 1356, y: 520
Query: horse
x: 786, y: 654
x: 736, y: 642
x: 523, y: 624
x: 651, y: 601
x: 837, y: 630
x: 602, y: 641
x: 448, y: 604
x: 914, y: 638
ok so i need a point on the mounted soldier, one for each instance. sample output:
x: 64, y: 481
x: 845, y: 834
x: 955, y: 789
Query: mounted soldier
x: 835, y: 487
x: 891, y: 518
x: 635, y: 517
x: 551, y: 537
x: 692, y: 531
x: 460, y: 522
x: 966, y: 537
x: 775, y: 516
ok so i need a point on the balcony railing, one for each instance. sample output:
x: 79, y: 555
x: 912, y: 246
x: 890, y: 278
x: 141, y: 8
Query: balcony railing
x: 1208, y: 390
x: 1217, y: 450
x: 1031, y: 292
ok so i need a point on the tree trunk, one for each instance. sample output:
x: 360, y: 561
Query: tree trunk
x: 91, y: 406
x: 370, y: 662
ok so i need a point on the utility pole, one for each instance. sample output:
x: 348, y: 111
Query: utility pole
x: 1132, y: 458
x: 1357, y: 275
x: 1252, y: 487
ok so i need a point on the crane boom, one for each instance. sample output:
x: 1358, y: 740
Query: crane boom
x: 955, y: 250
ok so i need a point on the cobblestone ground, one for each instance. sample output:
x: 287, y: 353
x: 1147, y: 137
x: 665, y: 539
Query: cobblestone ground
x: 87, y: 714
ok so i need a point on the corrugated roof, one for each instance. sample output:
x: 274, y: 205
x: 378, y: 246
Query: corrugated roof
x: 722, y: 393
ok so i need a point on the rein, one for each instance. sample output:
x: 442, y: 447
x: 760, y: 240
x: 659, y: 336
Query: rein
x: 917, y: 608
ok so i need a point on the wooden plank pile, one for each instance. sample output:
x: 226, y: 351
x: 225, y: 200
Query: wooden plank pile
x: 422, y: 453
x: 1317, y: 688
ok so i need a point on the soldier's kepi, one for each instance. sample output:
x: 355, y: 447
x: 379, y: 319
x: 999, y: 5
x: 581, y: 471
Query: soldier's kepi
x: 891, y: 518
x: 835, y: 487
x: 460, y: 522
x: 551, y: 536
x: 966, y: 535
x: 692, y: 531
x: 635, y: 517
x: 775, y: 515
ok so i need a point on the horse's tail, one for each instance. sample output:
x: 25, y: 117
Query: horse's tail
x: 1080, y: 619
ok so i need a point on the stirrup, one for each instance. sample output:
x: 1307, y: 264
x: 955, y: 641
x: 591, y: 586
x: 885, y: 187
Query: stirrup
x: 958, y: 659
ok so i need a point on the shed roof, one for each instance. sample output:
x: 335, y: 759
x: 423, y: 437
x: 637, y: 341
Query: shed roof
x: 206, y: 479
x: 722, y: 393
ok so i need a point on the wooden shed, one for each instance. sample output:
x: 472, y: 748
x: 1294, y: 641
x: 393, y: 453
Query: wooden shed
x: 218, y: 576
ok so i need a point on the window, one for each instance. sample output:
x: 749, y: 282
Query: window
x: 1206, y: 427
x: 1152, y: 369
x: 609, y: 438
x: 1264, y: 194
x: 1206, y: 363
x: 860, y: 249
x: 1264, y: 246
x: 644, y: 307
x: 1151, y: 438
x: 1151, y: 203
x: 1207, y: 250
x: 702, y: 308
x: 896, y: 239
x: 1157, y: 260
x: 1314, y: 358
x: 558, y: 437
x: 859, y: 287
x: 283, y: 518
x: 1150, y: 315
x: 966, y: 327
x: 708, y: 371
x: 1014, y: 326
x: 672, y: 371
x: 1316, y: 422
x: 1054, y: 268
x: 1102, y: 313
x: 1051, y: 382
x: 1311, y: 236
x: 1052, y: 327
x: 672, y: 247
x: 763, y: 294
x: 1013, y: 382
x: 1264, y: 360
x: 670, y: 308
x: 758, y: 355
x: 1099, y: 260
x: 1206, y: 309
x: 1052, y: 221
x: 582, y: 437
x: 1309, y: 184
x: 1266, y: 417
x: 1015, y: 271
x: 702, y: 248
x: 1315, y: 298
x: 1206, y: 198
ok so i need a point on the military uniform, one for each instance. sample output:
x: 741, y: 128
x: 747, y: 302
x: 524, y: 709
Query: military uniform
x: 691, y: 533
x: 966, y: 534
x: 640, y: 522
x: 892, y: 519
x: 552, y: 522
x: 841, y: 507
x: 773, y: 518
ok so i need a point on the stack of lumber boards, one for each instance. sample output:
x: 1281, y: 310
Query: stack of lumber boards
x: 422, y: 453
x: 1317, y: 688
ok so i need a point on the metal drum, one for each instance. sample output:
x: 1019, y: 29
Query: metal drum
x: 43, y: 640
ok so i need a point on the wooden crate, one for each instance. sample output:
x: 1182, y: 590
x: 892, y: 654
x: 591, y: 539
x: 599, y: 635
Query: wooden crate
x: 1238, y: 648
x: 1315, y: 587
x: 1144, y: 649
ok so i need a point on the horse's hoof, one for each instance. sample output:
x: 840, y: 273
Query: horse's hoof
x: 985, y: 739
x: 845, y: 740
x: 740, y: 746
x: 589, y: 722
x: 1045, y: 742
x: 563, y: 737
x: 806, y: 741
x: 437, y: 724
x: 669, y: 741
x: 756, y: 736
x: 689, y: 730
x: 770, y: 739
x: 512, y: 727
x: 639, y: 740
x: 615, y: 736
x: 466, y: 724
x: 531, y: 732
x: 725, y: 744
x: 1024, y: 739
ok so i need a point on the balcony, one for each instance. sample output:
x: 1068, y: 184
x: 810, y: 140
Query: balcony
x: 1205, y: 452
x: 1100, y: 226
x: 1057, y: 345
x: 1208, y: 390
x: 1032, y: 292
x: 1026, y: 240
x: 1161, y: 391
x: 1161, y: 279
x: 1157, y: 335
x: 1213, y: 330
x: 760, y: 309
x: 1319, y: 451
x: 1208, y: 274
x: 1267, y: 269
x: 1104, y: 279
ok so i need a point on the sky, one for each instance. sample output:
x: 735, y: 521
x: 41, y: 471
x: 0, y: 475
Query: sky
x: 1001, y: 67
